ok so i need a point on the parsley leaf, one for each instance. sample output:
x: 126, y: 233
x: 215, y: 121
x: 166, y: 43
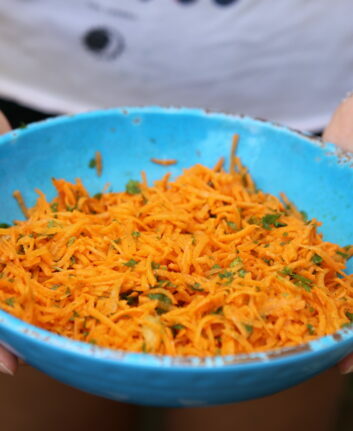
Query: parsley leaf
x: 133, y: 187
x: 197, y: 287
x: 71, y: 241
x: 131, y: 263
x: 249, y: 328
x: 155, y: 265
x: 54, y: 207
x: 92, y: 163
x: 10, y: 302
x: 232, y: 225
x: 218, y: 311
x: 4, y: 226
x: 235, y: 262
x: 349, y: 316
x: 317, y: 259
x: 242, y: 273
x: 135, y: 234
x: 344, y: 255
x: 310, y: 329
x: 272, y: 220
x: 160, y: 297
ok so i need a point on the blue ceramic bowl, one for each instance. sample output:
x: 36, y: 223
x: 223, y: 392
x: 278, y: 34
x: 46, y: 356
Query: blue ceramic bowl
x: 309, y: 172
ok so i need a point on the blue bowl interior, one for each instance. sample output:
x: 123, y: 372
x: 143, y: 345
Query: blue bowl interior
x: 310, y: 173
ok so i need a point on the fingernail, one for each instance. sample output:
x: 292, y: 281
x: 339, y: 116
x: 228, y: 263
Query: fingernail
x: 5, y: 370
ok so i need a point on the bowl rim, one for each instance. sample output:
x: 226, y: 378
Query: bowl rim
x: 284, y: 355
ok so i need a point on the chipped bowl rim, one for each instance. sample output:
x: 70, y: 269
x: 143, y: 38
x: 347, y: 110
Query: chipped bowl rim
x: 316, y: 347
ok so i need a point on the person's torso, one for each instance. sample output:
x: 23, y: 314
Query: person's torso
x: 289, y: 61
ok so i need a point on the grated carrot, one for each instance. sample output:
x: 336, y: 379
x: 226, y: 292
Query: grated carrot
x: 203, y: 265
x: 21, y: 203
x: 164, y: 162
x: 99, y: 163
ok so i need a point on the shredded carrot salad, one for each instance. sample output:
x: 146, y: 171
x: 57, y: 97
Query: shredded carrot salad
x: 203, y: 265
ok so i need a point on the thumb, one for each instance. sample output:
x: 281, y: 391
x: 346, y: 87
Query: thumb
x: 340, y: 128
x: 4, y: 124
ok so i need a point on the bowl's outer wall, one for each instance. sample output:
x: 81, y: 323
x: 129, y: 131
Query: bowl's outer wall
x: 279, y: 160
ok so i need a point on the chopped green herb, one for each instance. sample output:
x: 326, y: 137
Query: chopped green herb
x: 55, y: 286
x: 349, y: 316
x: 272, y: 220
x: 310, y: 329
x: 225, y: 274
x: 11, y: 280
x: 344, y: 255
x: 74, y: 316
x: 135, y: 234
x: 57, y: 268
x: 133, y: 187
x: 71, y: 209
x: 98, y: 196
x: 161, y: 311
x: 92, y: 341
x: 197, y: 287
x: 346, y: 325
x: 117, y: 241
x: 302, y: 281
x: 235, y: 262
x: 216, y: 266
x: 4, y: 226
x: 155, y: 265
x: 317, y: 259
x: 286, y: 271
x: 242, y: 273
x: 160, y: 297
x: 304, y: 215
x: 131, y: 263
x: 71, y: 241
x: 254, y: 220
x: 68, y: 291
x: 178, y: 327
x: 268, y: 261
x: 312, y: 309
x: 285, y: 234
x: 218, y: 311
x: 54, y: 207
x: 73, y: 260
x: 249, y: 328
x: 92, y: 163
x: 10, y: 302
x: 232, y: 225
x: 51, y: 224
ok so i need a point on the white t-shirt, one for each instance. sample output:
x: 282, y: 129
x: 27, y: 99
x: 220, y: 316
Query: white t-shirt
x: 286, y: 60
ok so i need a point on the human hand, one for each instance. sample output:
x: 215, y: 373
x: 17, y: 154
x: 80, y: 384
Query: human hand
x: 8, y: 362
x: 340, y: 132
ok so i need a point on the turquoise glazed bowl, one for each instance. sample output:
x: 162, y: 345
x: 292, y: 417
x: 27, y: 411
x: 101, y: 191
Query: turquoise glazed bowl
x: 311, y: 173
